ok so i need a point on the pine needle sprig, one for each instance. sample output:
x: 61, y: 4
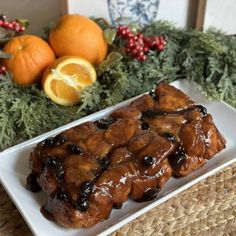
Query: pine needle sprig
x: 26, y: 112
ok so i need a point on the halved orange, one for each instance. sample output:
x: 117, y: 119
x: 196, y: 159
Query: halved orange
x: 64, y: 81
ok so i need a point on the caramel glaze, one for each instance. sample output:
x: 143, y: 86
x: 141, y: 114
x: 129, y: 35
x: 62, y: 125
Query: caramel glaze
x: 96, y: 166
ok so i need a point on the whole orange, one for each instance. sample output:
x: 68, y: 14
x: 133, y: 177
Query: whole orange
x: 30, y: 57
x: 77, y: 35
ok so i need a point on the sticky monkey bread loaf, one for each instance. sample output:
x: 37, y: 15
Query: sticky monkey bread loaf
x: 96, y: 166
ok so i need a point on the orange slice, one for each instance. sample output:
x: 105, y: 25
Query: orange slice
x: 64, y: 81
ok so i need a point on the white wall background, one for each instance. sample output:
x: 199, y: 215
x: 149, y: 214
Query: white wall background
x: 221, y: 15
x: 42, y: 12
x: 175, y: 11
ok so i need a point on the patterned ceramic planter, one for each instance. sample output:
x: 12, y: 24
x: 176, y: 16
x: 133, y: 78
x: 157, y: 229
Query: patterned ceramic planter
x: 139, y: 11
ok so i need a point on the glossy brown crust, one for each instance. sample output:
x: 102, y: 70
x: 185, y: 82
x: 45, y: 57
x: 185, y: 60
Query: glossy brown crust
x: 91, y: 168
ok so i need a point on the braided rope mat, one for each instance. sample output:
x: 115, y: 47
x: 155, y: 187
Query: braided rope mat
x: 207, y: 208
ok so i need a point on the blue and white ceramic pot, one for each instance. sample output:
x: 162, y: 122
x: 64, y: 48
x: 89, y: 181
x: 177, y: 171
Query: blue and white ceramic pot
x: 139, y: 11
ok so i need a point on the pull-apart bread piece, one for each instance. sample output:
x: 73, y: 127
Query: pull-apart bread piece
x: 96, y: 166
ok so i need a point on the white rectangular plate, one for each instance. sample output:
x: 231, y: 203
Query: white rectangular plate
x: 14, y: 170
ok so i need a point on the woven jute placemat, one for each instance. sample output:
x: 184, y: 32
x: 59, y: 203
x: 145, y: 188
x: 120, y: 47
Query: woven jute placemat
x: 207, y: 208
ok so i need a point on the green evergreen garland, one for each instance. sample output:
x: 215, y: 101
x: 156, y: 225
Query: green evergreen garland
x: 209, y: 59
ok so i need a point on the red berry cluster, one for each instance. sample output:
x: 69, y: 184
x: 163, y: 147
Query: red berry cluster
x: 14, y: 25
x: 3, y: 70
x: 138, y: 45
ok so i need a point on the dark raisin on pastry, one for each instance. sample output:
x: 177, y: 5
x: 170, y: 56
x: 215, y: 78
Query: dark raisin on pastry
x: 32, y: 183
